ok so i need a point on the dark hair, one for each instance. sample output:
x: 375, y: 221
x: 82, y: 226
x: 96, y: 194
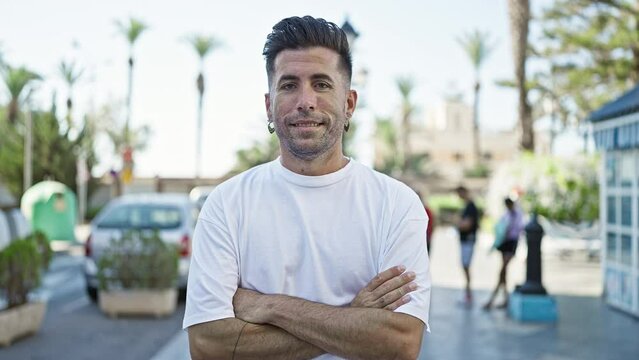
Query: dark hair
x: 508, y: 202
x: 305, y: 32
x: 461, y: 189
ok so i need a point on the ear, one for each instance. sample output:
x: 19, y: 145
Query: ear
x: 351, y: 102
x: 267, y: 103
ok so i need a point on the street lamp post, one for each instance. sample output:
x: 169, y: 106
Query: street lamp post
x: 351, y: 33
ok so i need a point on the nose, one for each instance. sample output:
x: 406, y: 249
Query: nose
x: 307, y: 99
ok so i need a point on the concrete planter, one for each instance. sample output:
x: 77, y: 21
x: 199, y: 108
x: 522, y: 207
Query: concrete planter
x: 138, y: 302
x: 21, y: 321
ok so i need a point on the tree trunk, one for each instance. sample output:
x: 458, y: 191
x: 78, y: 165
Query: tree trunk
x: 406, y: 142
x: 198, y: 150
x: 476, y: 144
x: 69, y: 111
x: 12, y: 113
x: 519, y: 14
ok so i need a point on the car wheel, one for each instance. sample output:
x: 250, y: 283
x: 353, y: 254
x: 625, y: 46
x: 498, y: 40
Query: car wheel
x: 93, y: 294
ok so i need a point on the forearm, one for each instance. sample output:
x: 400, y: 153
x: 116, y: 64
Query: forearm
x: 354, y: 333
x: 221, y: 339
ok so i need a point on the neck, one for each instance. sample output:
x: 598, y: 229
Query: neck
x: 321, y: 165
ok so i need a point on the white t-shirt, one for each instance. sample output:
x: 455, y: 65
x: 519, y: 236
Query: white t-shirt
x: 320, y: 238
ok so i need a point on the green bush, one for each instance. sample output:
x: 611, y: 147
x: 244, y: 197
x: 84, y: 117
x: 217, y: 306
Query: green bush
x: 561, y: 190
x: 138, y: 260
x: 21, y: 266
x: 478, y: 171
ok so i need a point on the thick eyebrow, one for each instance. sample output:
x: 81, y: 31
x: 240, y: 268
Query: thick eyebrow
x: 319, y: 76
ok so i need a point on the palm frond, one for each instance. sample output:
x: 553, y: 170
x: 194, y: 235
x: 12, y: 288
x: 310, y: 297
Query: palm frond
x: 70, y: 73
x: 405, y: 85
x: 131, y: 29
x: 477, y: 46
x: 16, y: 79
x: 204, y: 44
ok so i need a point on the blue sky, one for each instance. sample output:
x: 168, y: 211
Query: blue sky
x: 398, y: 38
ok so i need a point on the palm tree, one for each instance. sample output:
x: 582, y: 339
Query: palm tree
x: 519, y: 15
x: 203, y: 45
x: 386, y: 146
x: 16, y: 80
x: 71, y: 75
x: 477, y: 47
x: 131, y: 30
x: 406, y: 86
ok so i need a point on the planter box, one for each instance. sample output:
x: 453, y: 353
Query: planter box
x: 138, y: 302
x: 21, y: 321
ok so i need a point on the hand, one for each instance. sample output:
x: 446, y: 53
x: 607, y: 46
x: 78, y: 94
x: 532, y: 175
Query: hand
x: 246, y: 304
x: 388, y: 290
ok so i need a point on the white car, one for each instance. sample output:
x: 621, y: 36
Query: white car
x: 173, y: 215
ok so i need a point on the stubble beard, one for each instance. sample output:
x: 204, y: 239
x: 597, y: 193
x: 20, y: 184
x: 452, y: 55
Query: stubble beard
x: 321, y: 146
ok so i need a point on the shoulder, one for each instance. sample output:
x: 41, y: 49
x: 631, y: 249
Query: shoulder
x: 389, y: 185
x: 396, y: 197
x: 231, y: 190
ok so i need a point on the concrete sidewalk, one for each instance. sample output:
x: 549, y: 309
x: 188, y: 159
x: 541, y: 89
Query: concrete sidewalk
x: 586, y: 329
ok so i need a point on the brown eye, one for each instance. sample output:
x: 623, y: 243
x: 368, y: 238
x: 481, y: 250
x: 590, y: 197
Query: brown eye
x: 323, y: 85
x: 287, y: 86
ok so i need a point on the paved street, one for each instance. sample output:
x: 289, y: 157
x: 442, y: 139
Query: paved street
x: 587, y: 329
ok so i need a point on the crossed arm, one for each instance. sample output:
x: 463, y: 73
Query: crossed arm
x: 285, y: 327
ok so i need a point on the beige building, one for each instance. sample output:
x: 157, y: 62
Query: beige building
x: 445, y: 138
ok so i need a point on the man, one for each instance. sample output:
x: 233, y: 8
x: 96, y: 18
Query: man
x: 467, y: 227
x: 313, y: 254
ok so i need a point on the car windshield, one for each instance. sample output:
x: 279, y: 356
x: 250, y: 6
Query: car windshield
x: 142, y: 216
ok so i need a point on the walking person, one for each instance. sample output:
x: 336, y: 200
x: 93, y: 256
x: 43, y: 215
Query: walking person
x: 312, y: 255
x: 507, y: 234
x: 467, y: 226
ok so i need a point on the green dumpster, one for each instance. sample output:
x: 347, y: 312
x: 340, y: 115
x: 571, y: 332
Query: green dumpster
x: 51, y: 207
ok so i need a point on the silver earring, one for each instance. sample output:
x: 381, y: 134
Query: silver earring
x: 347, y: 125
x: 271, y: 127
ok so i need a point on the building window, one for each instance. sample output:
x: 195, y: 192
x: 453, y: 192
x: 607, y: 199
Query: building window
x: 611, y: 247
x: 611, y: 170
x: 626, y: 250
x: 626, y: 170
x: 611, y: 215
x: 626, y: 211
x: 458, y: 157
x: 488, y: 156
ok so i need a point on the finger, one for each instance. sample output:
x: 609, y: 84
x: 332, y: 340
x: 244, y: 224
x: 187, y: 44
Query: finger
x: 394, y: 284
x: 384, y: 276
x: 401, y: 301
x: 397, y: 294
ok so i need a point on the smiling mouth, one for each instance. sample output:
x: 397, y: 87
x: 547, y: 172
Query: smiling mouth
x: 306, y: 125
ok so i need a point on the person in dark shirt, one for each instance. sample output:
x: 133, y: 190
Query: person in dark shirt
x: 467, y: 226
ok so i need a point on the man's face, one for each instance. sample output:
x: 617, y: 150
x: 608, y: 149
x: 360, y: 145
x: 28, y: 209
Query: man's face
x: 309, y: 101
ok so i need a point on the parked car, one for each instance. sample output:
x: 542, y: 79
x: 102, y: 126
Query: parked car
x: 172, y: 215
x: 13, y: 223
